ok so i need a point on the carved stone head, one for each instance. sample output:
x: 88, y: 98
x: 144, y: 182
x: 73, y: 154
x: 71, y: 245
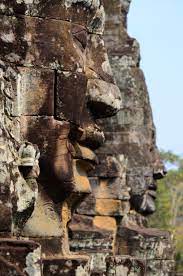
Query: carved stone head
x: 60, y: 83
x: 131, y: 132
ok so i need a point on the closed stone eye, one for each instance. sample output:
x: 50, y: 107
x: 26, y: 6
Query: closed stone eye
x: 80, y: 36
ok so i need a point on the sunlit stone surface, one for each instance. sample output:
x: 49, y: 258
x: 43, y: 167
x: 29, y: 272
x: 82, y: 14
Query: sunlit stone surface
x: 79, y: 161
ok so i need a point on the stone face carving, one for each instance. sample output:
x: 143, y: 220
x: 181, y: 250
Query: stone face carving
x: 54, y: 75
x: 133, y: 127
x: 133, y: 134
x: 66, y: 198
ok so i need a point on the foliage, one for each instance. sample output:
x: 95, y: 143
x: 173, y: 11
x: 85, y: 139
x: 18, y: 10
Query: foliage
x: 169, y: 203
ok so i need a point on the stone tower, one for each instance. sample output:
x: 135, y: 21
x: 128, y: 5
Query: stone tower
x: 79, y: 161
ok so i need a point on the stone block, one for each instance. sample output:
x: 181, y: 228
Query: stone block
x: 103, y: 207
x: 138, y: 155
x: 112, y: 207
x: 5, y: 199
x: 118, y: 42
x: 45, y: 131
x: 66, y: 266
x: 19, y: 258
x: 9, y: 75
x: 87, y: 206
x: 30, y: 90
x: 39, y: 42
x: 61, y: 10
x: 107, y: 167
x: 125, y: 265
x: 71, y: 86
x: 160, y: 268
x: 114, y: 24
x: 36, y: 91
x: 92, y: 234
x: 81, y: 182
x: 117, y: 11
x: 67, y: 175
x: 109, y: 188
x: 98, y: 264
x: 125, y: 54
x: 145, y: 243
x: 137, y: 135
x: 127, y: 120
x: 52, y: 139
x: 50, y: 246
x: 132, y: 86
x: 97, y: 63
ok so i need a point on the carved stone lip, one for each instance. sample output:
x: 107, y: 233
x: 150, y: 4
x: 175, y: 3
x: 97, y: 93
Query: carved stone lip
x: 92, y: 137
x: 152, y: 186
x: 84, y: 153
x: 152, y: 193
x: 147, y: 205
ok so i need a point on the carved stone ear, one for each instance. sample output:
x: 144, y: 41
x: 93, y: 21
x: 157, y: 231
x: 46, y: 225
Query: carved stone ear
x: 27, y: 155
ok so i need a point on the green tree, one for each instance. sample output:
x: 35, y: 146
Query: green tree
x: 169, y: 203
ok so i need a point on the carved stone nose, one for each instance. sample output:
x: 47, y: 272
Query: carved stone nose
x: 159, y: 173
x: 159, y: 170
x: 104, y: 99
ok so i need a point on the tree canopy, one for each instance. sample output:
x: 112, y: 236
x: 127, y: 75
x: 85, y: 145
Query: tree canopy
x: 169, y: 203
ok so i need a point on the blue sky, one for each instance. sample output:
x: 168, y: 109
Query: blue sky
x: 158, y: 26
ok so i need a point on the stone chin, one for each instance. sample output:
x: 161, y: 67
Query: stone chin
x: 144, y: 204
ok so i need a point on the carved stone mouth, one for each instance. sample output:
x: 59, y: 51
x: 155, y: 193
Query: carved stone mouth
x: 152, y: 193
x: 148, y: 205
x: 91, y: 136
x: 152, y: 186
x: 84, y: 153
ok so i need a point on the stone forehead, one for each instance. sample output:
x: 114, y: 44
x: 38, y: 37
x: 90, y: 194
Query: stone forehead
x: 88, y: 13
